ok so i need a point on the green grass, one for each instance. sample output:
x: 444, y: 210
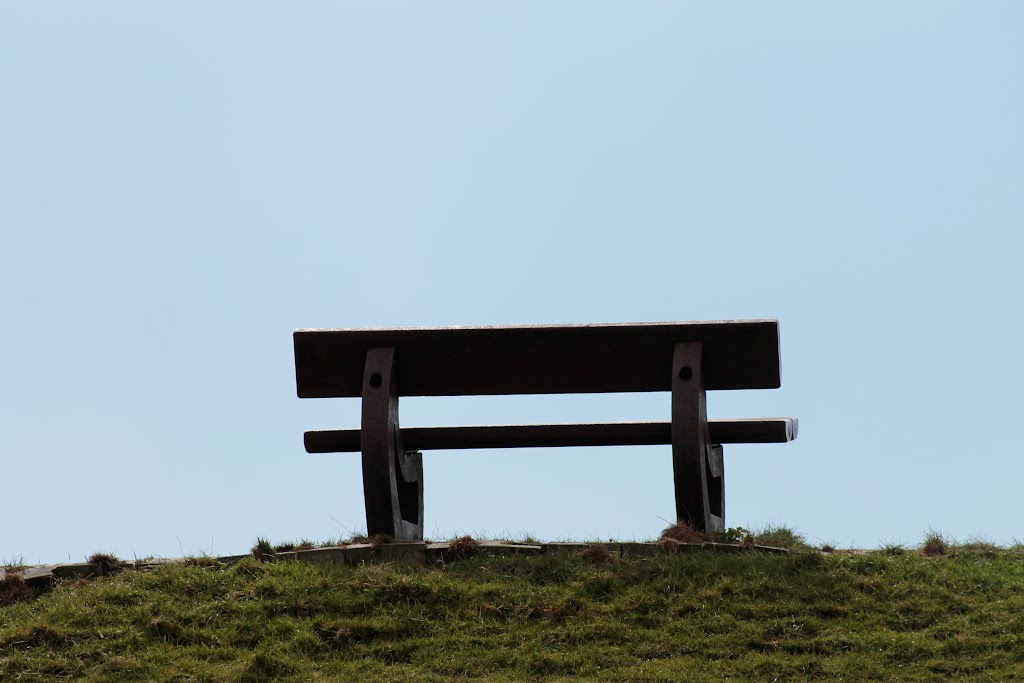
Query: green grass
x: 780, y: 536
x: 691, y: 616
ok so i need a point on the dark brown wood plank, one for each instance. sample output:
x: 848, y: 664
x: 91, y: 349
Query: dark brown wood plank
x: 760, y: 430
x: 538, y: 359
x: 392, y: 474
x: 699, y: 496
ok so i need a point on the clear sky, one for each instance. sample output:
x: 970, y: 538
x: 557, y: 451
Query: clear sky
x: 183, y: 184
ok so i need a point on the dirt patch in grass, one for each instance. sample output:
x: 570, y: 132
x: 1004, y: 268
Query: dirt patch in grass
x: 266, y: 666
x: 40, y: 636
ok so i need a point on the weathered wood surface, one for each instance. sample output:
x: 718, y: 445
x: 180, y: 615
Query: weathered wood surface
x: 699, y: 493
x: 758, y: 430
x: 392, y: 476
x: 538, y: 359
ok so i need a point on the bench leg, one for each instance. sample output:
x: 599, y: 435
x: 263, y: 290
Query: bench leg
x: 716, y: 483
x: 698, y: 467
x: 392, y: 478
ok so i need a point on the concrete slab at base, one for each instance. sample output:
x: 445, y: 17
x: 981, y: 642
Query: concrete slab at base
x: 416, y: 552
x: 434, y: 552
x: 574, y: 547
x: 638, y: 549
x: 677, y: 547
x: 37, y: 577
x: 81, y: 570
x: 43, y: 575
x: 495, y: 548
x: 560, y: 546
x: 331, y: 555
x: 411, y: 552
x: 770, y: 549
x: 359, y: 553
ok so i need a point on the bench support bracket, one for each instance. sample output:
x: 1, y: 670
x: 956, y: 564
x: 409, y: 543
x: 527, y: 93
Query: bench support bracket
x: 392, y: 478
x: 698, y: 466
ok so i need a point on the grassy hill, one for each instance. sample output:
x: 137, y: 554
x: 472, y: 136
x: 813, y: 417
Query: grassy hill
x: 882, y: 615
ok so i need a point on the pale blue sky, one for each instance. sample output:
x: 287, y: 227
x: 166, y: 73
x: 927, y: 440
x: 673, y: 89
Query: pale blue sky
x: 183, y: 184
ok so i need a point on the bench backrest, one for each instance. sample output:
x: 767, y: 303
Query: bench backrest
x: 538, y: 359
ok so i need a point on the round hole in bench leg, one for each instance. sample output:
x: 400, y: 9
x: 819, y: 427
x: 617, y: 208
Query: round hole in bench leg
x: 376, y: 380
x: 685, y: 373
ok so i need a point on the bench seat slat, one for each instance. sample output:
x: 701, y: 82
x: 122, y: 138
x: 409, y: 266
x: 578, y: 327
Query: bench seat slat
x: 538, y: 359
x: 762, y: 430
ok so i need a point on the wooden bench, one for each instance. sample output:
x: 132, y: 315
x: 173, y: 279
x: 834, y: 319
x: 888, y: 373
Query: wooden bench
x: 684, y: 358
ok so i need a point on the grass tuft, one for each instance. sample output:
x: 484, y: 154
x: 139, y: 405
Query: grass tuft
x: 202, y: 561
x: 893, y: 549
x: 598, y: 553
x: 681, y: 532
x: 737, y: 535
x: 780, y: 536
x: 935, y: 544
x: 525, y: 538
x: 377, y: 540
x: 14, y: 564
x: 13, y: 589
x: 979, y: 547
x: 304, y: 544
x: 108, y: 562
x: 461, y: 548
x: 262, y: 550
